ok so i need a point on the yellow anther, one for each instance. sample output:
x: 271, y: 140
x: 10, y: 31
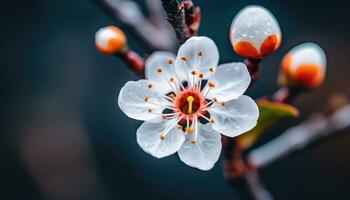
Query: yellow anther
x: 179, y: 126
x: 211, y: 84
x: 193, y: 72
x: 193, y: 141
x: 188, y: 129
x: 190, y: 100
x: 170, y: 61
x: 146, y: 98
x: 162, y: 137
x: 223, y: 103
x: 159, y: 70
x: 183, y: 58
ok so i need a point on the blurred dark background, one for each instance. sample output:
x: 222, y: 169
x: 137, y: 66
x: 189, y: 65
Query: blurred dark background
x: 63, y: 136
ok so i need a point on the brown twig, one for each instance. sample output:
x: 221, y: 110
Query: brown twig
x: 237, y: 172
x: 253, y: 67
x: 135, y: 62
x: 314, y: 129
x: 129, y: 15
x: 183, y: 17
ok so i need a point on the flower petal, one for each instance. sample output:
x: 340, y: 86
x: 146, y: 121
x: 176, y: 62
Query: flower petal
x: 137, y: 98
x: 197, y: 53
x: 230, y: 81
x: 205, y: 152
x: 160, y: 138
x: 159, y: 68
x: 234, y: 117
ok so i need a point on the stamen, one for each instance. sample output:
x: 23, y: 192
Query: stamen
x: 166, y: 116
x: 146, y: 98
x: 169, y: 115
x: 223, y: 103
x: 194, y: 139
x: 168, y: 98
x: 210, y: 102
x: 204, y: 117
x: 171, y: 107
x: 159, y: 70
x: 200, y: 76
x: 211, y: 69
x: 171, y: 85
x: 150, y: 86
x: 188, y: 130
x: 170, y: 62
x: 207, y: 89
x: 186, y: 67
x: 166, y: 131
x: 162, y: 137
x: 190, y: 100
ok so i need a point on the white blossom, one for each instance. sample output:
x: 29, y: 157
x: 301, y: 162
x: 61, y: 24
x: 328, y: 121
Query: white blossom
x: 186, y: 101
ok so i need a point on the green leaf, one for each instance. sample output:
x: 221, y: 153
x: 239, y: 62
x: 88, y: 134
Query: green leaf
x: 270, y: 114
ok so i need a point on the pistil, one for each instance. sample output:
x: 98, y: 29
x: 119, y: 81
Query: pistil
x: 190, y: 100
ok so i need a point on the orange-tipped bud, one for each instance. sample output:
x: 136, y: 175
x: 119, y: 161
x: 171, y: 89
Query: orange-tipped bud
x: 110, y: 40
x: 304, y: 65
x: 255, y: 33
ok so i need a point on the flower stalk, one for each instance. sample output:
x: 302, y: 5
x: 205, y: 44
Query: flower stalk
x: 135, y: 62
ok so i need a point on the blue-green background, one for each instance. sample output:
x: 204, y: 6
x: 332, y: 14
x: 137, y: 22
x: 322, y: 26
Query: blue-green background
x: 63, y: 136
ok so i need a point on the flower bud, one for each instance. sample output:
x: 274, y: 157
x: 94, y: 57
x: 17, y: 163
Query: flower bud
x: 304, y: 65
x: 109, y: 40
x: 255, y: 33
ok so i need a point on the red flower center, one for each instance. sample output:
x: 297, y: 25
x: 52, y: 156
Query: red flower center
x: 189, y: 102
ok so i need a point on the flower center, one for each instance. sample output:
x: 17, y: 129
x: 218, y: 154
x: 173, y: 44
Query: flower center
x: 188, y: 102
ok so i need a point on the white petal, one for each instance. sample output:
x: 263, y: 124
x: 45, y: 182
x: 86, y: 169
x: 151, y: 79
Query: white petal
x: 205, y: 152
x: 159, y: 60
x: 237, y: 116
x: 132, y: 102
x: 149, y: 137
x: 200, y: 54
x: 230, y: 80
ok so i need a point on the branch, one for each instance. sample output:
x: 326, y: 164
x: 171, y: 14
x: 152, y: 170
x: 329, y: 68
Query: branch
x: 135, y: 62
x: 129, y: 14
x: 299, y: 137
x: 183, y: 17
